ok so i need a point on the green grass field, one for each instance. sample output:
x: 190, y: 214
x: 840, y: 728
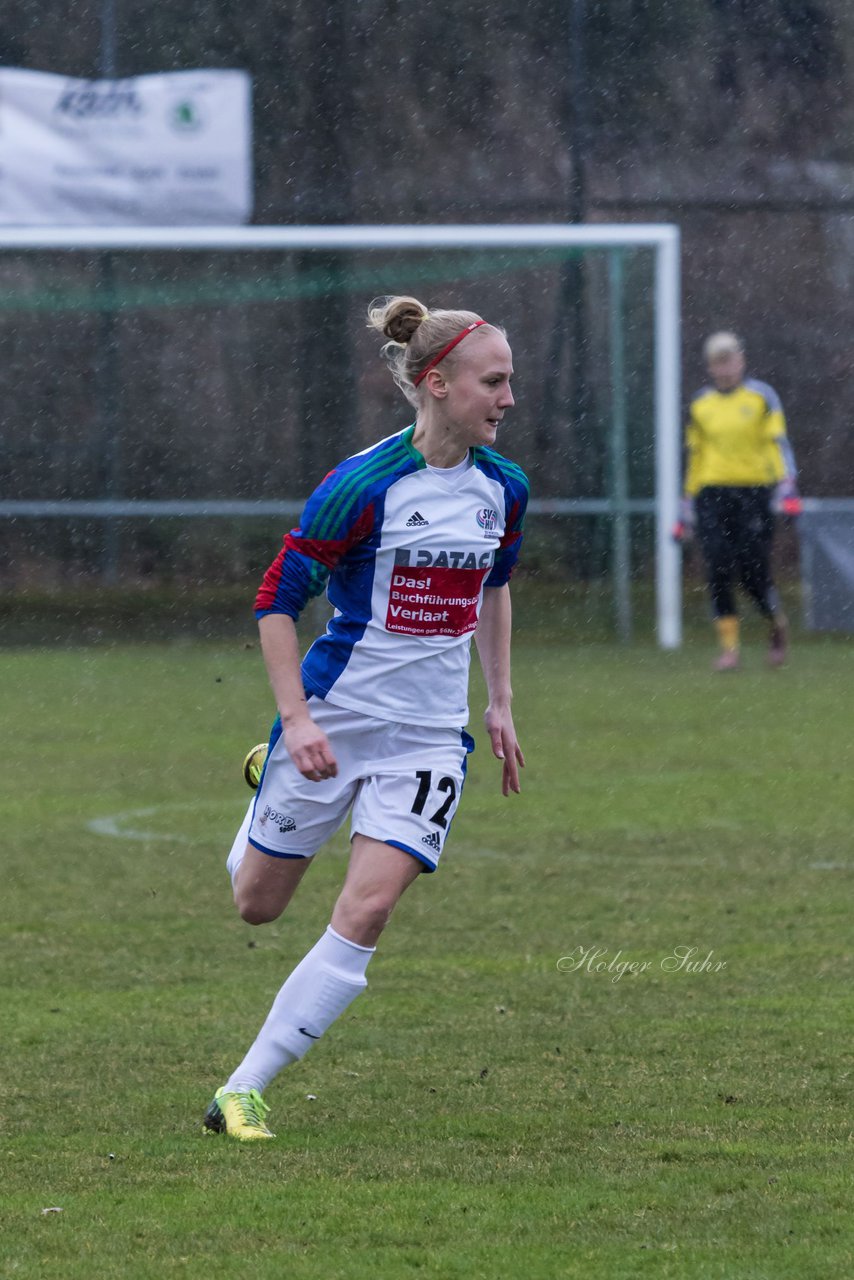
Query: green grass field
x: 488, y: 1108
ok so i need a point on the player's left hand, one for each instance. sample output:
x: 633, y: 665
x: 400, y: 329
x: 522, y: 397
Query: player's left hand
x: 502, y: 735
x: 786, y: 500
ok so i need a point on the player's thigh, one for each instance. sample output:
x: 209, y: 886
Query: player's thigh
x: 264, y: 885
x: 377, y: 875
x: 294, y: 816
x: 410, y: 796
x: 715, y: 532
x: 758, y: 526
x: 755, y: 534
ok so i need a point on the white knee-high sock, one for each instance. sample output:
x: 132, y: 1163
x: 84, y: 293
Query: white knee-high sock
x: 318, y: 991
x: 240, y: 841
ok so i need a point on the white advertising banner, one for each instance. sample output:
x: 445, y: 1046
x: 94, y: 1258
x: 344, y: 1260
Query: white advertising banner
x: 172, y: 149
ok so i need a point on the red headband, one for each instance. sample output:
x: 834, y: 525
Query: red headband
x: 441, y: 356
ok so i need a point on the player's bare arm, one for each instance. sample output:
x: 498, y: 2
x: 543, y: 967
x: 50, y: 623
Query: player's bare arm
x: 307, y: 744
x: 493, y: 646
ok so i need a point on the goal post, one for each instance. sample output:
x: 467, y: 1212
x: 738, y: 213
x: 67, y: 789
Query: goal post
x: 662, y: 241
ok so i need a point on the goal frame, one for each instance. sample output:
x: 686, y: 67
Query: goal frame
x: 661, y: 238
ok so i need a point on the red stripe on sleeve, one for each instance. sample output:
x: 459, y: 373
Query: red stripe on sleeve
x: 284, y: 576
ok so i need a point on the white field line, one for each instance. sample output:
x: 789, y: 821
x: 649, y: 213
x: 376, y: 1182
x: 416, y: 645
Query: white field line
x: 115, y: 824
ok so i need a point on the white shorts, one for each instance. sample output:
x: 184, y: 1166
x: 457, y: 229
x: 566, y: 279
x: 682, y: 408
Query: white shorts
x: 403, y: 783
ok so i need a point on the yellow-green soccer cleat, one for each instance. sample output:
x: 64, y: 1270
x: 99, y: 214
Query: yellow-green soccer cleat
x: 240, y: 1115
x: 253, y: 765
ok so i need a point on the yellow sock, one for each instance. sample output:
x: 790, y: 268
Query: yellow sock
x: 727, y: 629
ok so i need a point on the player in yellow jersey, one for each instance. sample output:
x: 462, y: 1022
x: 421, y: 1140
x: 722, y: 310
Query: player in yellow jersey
x: 740, y: 469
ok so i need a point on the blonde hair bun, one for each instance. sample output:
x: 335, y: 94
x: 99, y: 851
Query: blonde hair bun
x: 397, y: 318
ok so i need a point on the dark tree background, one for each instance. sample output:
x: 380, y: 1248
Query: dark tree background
x: 732, y: 118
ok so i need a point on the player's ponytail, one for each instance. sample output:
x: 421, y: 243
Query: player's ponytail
x: 416, y: 336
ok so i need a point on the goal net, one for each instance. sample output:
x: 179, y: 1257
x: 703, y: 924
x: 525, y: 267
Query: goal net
x: 173, y: 394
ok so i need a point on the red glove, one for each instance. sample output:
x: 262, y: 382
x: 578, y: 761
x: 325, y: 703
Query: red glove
x: 787, y: 500
x: 683, y: 530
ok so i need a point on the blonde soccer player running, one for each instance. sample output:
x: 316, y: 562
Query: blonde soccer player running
x: 414, y: 539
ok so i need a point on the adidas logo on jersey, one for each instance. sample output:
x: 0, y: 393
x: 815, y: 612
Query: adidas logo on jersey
x: 433, y: 841
x: 416, y: 520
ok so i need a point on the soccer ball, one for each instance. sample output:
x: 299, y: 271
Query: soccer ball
x: 253, y: 765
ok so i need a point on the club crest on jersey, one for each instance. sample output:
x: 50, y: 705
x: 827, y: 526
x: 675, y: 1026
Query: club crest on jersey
x: 487, y: 519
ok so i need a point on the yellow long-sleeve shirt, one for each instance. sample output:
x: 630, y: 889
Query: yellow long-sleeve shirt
x: 736, y: 438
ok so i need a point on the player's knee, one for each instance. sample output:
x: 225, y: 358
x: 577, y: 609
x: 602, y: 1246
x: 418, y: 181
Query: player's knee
x: 255, y: 910
x: 367, y: 913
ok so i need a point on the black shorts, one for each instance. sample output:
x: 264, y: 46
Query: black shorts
x: 735, y: 528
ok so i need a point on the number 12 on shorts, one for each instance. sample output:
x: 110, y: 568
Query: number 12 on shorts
x: 425, y: 786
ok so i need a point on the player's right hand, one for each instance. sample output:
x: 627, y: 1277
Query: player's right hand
x: 683, y: 530
x: 310, y: 749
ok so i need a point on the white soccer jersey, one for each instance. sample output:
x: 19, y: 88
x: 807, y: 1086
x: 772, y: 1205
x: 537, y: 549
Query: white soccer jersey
x: 405, y: 553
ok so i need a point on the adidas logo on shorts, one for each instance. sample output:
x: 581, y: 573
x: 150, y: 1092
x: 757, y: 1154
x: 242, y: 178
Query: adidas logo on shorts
x: 416, y: 520
x: 433, y: 841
